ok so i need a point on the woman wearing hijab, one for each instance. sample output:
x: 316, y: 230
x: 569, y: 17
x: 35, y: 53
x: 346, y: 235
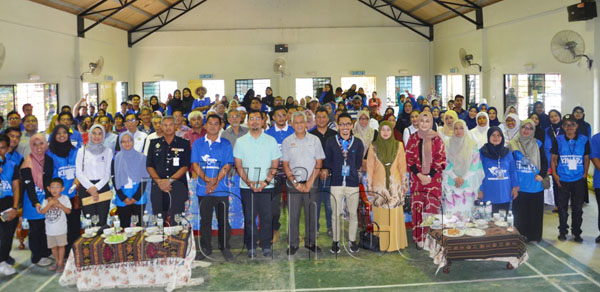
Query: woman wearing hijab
x: 500, y: 184
x: 511, y: 126
x: 532, y: 167
x: 551, y: 133
x: 311, y: 124
x: 403, y: 121
x: 289, y: 102
x: 470, y: 119
x: 482, y: 108
x: 387, y: 181
x: 155, y: 104
x: 327, y: 94
x: 413, y: 128
x: 129, y: 170
x: 61, y: 164
x: 425, y: 159
x: 363, y: 131
x: 583, y: 127
x: 449, y: 118
x: 435, y: 111
x: 538, y: 108
x: 248, y: 98
x: 479, y: 133
x: 510, y: 110
x: 176, y: 103
x: 539, y: 132
x: 32, y: 175
x: 493, y: 116
x: 463, y: 174
x: 389, y: 112
x: 93, y: 173
x: 187, y: 101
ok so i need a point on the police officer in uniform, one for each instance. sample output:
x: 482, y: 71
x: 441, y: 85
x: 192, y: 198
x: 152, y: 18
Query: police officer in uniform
x: 168, y: 161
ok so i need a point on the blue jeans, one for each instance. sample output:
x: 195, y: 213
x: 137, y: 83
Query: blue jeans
x: 325, y: 198
x: 257, y: 204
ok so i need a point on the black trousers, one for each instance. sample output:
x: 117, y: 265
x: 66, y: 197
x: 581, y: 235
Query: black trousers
x: 528, y: 210
x: 7, y: 229
x: 257, y: 204
x: 101, y: 208
x: 73, y: 229
x: 276, y: 201
x: 575, y: 192
x: 501, y: 206
x: 171, y: 203
x: 220, y: 205
x: 126, y: 212
x: 37, y: 240
x: 597, y: 191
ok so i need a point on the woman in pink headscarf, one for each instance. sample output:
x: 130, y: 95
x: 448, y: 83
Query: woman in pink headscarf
x: 425, y: 159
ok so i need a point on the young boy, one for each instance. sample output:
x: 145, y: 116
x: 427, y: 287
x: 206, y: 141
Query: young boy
x: 55, y: 208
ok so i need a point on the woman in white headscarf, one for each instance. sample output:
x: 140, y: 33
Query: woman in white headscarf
x: 92, y: 168
x: 463, y: 174
x: 363, y: 130
x: 479, y: 133
x: 511, y: 127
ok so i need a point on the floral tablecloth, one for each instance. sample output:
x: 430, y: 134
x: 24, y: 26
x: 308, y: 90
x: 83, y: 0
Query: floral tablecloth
x: 169, y: 272
x: 497, y: 245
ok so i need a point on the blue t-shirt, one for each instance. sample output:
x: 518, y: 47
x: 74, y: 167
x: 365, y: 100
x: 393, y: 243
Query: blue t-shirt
x: 596, y: 154
x: 571, y: 154
x: 15, y: 157
x: 280, y: 134
x: 76, y: 139
x: 29, y: 211
x: 212, y: 157
x: 129, y: 192
x: 526, y: 172
x: 500, y: 178
x: 9, y: 173
x: 64, y: 168
x: 201, y: 103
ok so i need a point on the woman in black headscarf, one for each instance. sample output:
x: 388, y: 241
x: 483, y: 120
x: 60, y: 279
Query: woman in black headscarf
x: 584, y: 127
x: 327, y: 94
x: 175, y: 103
x: 155, y: 104
x: 268, y: 99
x: 289, y: 102
x: 539, y: 132
x: 403, y: 121
x: 187, y: 100
x: 551, y: 133
x: 248, y: 98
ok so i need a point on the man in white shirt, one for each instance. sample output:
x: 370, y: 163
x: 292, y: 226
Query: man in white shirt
x: 139, y: 137
x: 110, y: 139
x: 157, y: 133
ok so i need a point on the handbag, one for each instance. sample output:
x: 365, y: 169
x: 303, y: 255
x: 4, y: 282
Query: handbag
x: 546, y: 182
x: 369, y: 241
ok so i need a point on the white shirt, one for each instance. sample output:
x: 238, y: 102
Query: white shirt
x: 110, y: 140
x: 94, y: 167
x: 139, y: 139
x: 407, y: 132
x: 56, y: 219
x: 148, y: 139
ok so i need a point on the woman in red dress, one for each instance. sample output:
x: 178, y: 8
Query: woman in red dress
x: 425, y: 159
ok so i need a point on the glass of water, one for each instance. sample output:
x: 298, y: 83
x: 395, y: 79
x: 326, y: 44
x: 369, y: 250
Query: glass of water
x: 134, y: 220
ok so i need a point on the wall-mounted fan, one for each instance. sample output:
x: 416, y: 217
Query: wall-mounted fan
x: 2, y: 54
x: 568, y: 47
x: 279, y: 66
x: 95, y: 68
x: 466, y: 60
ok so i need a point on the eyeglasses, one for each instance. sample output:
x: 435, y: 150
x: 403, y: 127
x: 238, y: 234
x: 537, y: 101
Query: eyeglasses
x: 345, y: 124
x: 104, y: 123
x: 528, y: 128
x: 578, y: 112
x: 280, y: 116
x: 255, y: 119
x: 132, y: 120
x: 234, y: 116
x: 13, y: 119
x: 569, y: 125
x: 363, y: 119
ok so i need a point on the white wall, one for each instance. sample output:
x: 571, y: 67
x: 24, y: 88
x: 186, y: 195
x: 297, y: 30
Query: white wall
x: 516, y: 33
x: 43, y: 40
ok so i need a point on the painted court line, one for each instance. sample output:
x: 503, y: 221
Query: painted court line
x: 292, y: 276
x: 46, y: 283
x: 545, y: 277
x: 569, y: 265
x: 17, y: 276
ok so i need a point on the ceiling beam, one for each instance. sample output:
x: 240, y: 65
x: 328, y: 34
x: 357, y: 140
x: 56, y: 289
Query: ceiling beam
x: 394, y: 13
x: 81, y: 29
x: 421, y: 5
x: 79, y: 10
x: 478, y: 21
x: 140, y: 11
x: 160, y: 20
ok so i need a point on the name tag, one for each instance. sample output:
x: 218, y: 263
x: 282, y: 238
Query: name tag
x: 572, y: 163
x: 346, y: 170
x: 70, y: 173
x: 175, y: 161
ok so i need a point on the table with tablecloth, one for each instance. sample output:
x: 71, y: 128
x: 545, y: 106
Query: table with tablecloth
x: 135, y: 263
x: 498, y: 244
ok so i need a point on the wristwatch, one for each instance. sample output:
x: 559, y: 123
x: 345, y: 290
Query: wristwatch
x: 267, y: 182
x: 295, y: 182
x: 170, y: 180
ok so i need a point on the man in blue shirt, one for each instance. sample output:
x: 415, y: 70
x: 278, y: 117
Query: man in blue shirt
x: 135, y: 102
x: 256, y: 157
x: 279, y: 131
x: 14, y: 134
x: 9, y: 203
x: 212, y: 158
x: 201, y: 103
x: 356, y: 107
x: 570, y: 163
x: 458, y: 107
x: 596, y: 161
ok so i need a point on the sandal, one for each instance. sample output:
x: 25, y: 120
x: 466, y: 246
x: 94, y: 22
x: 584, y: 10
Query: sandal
x: 60, y: 269
x: 52, y: 267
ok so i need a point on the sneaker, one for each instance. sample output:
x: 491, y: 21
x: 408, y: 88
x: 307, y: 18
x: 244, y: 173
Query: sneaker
x: 354, y: 246
x: 315, y: 249
x: 6, y: 269
x: 292, y: 250
x: 329, y: 233
x: 252, y: 253
x: 562, y: 237
x: 44, y: 262
x: 335, y: 247
x: 598, y: 239
x: 10, y: 260
x: 227, y: 254
x: 578, y: 239
x: 267, y: 252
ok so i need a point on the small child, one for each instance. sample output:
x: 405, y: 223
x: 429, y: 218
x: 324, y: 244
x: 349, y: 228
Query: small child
x: 55, y: 207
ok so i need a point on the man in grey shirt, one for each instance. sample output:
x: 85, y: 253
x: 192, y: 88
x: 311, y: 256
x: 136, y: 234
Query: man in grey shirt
x: 235, y: 129
x: 302, y: 156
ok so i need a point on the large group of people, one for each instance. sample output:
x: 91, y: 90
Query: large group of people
x: 321, y: 152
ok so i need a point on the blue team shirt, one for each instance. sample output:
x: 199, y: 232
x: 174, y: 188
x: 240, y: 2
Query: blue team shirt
x: 571, y: 154
x: 280, y: 134
x: 526, y: 172
x: 7, y: 176
x: 595, y: 153
x: 211, y: 157
x: 201, y: 103
x: 500, y: 178
x: 64, y: 168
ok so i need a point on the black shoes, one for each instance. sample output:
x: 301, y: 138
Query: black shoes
x: 354, y: 247
x: 202, y: 254
x: 292, y: 250
x: 578, y: 239
x: 598, y: 239
x: 227, y: 254
x: 314, y: 248
x: 562, y: 237
x: 335, y: 247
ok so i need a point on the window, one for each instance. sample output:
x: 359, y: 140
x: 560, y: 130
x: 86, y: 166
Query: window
x: 523, y: 90
x: 367, y: 83
x: 92, y: 92
x: 311, y: 86
x: 42, y: 96
x: 214, y: 87
x: 259, y: 86
x: 399, y: 84
x: 448, y: 86
x: 472, y: 89
x: 7, y: 99
x: 162, y: 89
x: 122, y: 92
